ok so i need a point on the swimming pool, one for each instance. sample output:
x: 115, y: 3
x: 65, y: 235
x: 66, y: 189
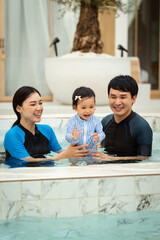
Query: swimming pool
x: 74, y: 191
x: 60, y: 133
x: 128, y: 226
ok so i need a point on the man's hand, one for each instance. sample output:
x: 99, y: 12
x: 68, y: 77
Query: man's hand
x: 103, y: 156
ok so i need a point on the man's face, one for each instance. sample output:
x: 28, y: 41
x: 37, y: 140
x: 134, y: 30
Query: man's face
x: 120, y: 103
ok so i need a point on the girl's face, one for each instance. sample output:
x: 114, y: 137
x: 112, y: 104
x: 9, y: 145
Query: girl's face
x: 31, y: 109
x: 85, y: 107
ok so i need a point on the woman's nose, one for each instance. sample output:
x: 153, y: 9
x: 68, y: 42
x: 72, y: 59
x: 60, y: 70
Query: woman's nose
x: 38, y: 107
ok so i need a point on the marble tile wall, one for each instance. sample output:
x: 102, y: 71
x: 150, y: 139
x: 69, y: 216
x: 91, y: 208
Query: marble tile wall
x: 78, y: 197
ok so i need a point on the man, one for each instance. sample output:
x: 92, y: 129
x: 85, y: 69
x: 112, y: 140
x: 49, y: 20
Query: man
x: 128, y: 135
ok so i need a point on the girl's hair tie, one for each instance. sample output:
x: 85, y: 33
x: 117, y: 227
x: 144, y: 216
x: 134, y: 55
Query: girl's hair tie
x: 78, y: 97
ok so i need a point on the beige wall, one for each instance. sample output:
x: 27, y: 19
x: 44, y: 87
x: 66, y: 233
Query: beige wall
x: 107, y: 27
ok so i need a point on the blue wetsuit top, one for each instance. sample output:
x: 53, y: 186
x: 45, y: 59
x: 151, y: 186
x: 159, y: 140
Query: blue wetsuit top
x: 21, y: 143
x: 130, y: 137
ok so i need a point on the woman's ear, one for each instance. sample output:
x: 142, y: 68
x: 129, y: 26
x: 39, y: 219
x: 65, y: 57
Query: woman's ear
x: 19, y: 108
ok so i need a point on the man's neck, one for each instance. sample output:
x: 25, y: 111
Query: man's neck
x: 119, y: 119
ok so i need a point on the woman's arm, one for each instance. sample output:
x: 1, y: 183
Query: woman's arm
x: 72, y: 151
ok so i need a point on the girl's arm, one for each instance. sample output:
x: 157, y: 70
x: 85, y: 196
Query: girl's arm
x: 99, y: 131
x: 72, y: 134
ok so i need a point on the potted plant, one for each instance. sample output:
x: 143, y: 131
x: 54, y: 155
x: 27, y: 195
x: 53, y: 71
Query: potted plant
x: 87, y: 36
x: 81, y: 70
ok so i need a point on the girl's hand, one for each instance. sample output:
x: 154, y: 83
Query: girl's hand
x: 95, y: 137
x: 75, y: 134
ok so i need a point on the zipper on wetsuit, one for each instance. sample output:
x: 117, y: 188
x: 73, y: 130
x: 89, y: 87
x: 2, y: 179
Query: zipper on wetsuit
x: 85, y: 132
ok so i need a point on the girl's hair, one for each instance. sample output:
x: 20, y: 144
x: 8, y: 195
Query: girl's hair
x: 82, y: 92
x: 124, y: 83
x: 19, y: 97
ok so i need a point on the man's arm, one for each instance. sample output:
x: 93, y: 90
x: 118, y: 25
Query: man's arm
x: 105, y: 157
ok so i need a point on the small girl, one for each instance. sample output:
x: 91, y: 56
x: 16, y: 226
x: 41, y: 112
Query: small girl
x: 84, y: 127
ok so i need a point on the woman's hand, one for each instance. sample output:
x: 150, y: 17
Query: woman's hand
x: 74, y: 151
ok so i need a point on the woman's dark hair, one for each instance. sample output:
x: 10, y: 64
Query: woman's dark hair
x: 82, y: 92
x: 124, y: 83
x: 19, y: 97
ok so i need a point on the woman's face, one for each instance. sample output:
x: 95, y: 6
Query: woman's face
x: 31, y: 109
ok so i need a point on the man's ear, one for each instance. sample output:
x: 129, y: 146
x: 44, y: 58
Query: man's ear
x: 134, y: 98
x: 19, y: 108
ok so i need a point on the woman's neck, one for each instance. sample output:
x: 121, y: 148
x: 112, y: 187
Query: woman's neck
x: 30, y: 126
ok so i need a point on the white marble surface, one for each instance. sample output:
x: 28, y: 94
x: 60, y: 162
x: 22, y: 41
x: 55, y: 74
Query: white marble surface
x: 79, y: 197
x: 73, y: 172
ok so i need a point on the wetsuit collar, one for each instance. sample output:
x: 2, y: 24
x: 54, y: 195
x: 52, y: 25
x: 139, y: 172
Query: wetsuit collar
x: 127, y: 119
x: 26, y: 130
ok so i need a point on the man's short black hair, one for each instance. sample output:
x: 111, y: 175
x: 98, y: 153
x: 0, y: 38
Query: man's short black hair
x: 124, y: 83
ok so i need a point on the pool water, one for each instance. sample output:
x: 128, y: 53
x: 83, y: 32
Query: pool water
x: 60, y: 133
x: 126, y: 226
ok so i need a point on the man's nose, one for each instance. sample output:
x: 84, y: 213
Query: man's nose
x: 118, y: 101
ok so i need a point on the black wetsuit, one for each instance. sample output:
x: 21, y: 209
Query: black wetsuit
x: 130, y: 137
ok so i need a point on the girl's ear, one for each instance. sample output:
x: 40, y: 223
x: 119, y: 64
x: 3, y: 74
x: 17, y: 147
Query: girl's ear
x: 75, y: 107
x: 18, y: 108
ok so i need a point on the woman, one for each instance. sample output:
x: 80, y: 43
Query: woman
x: 29, y: 141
